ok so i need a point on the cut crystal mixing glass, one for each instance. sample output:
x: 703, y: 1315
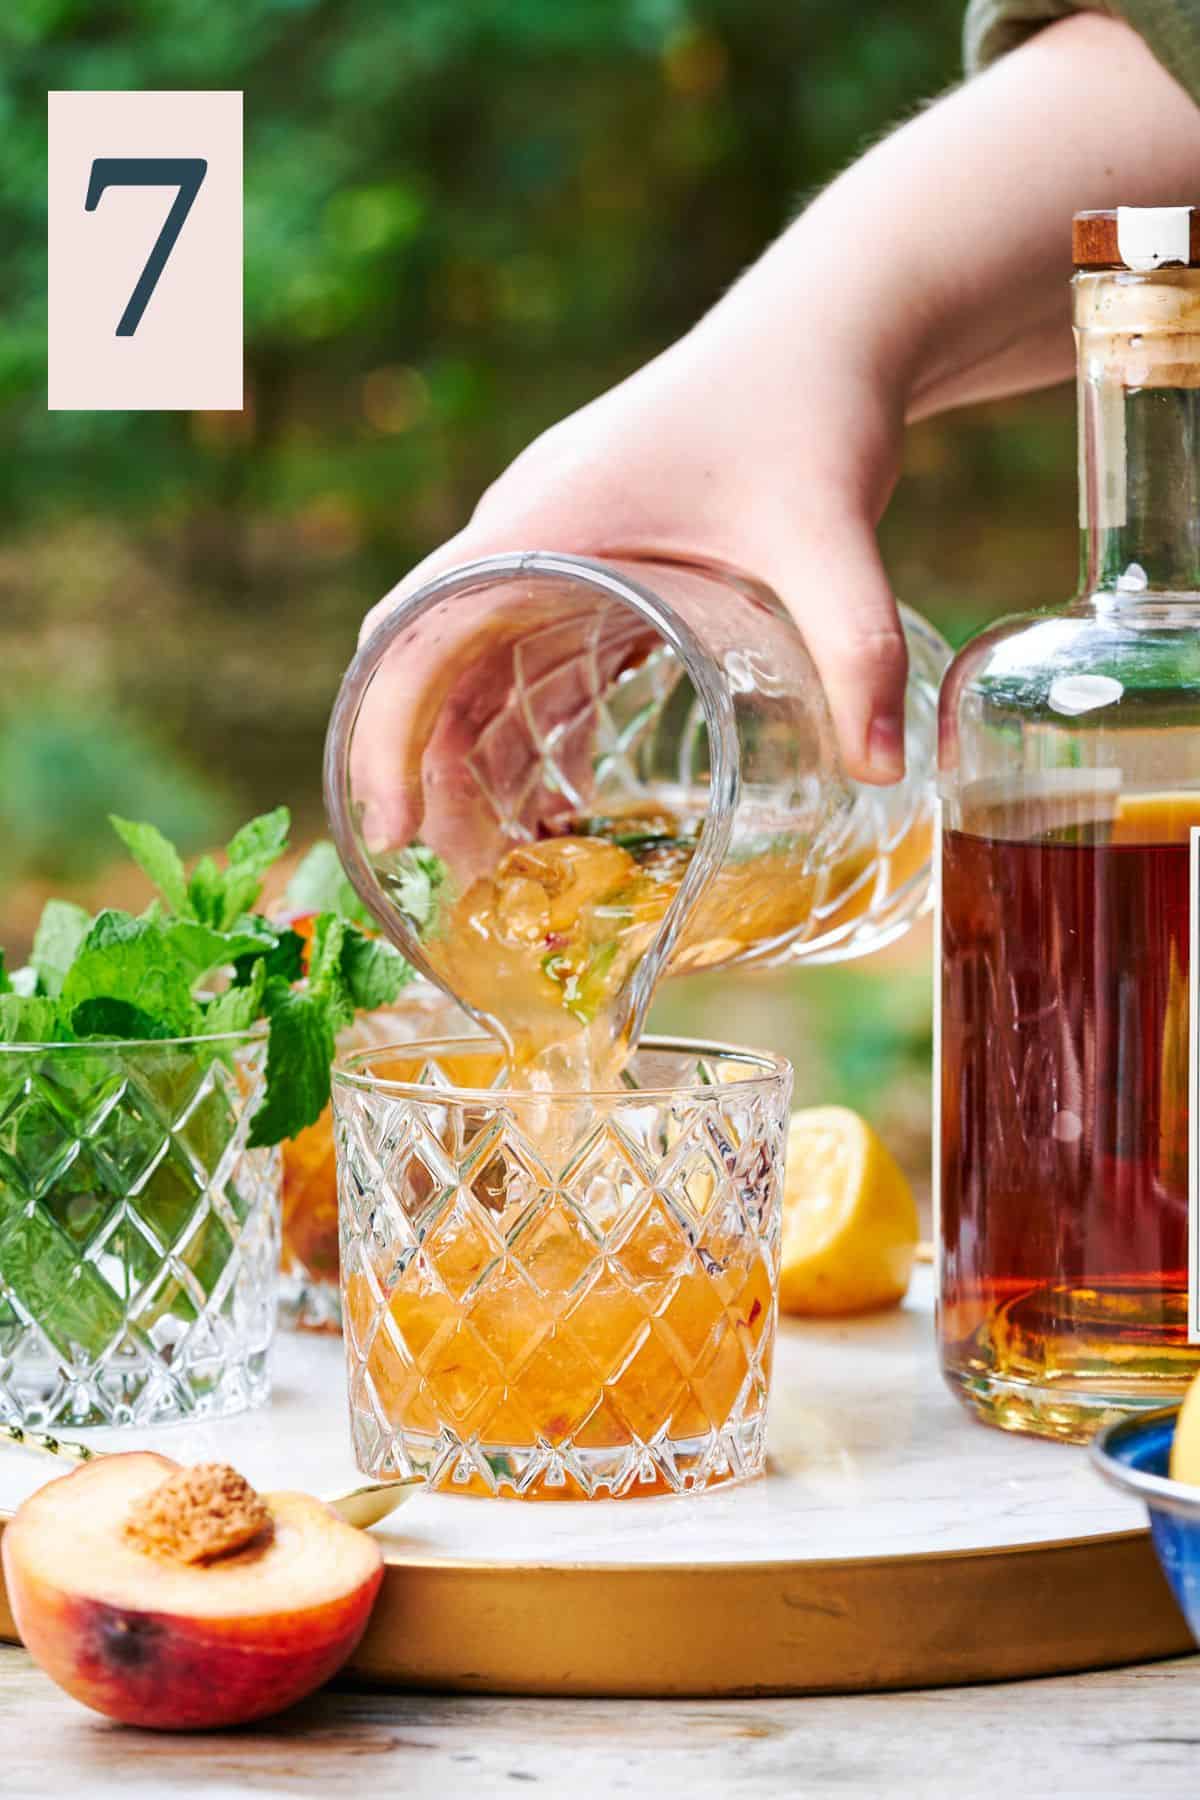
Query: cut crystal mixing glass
x: 526, y: 696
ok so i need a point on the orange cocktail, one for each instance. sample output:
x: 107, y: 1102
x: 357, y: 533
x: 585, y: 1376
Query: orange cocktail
x: 547, y: 940
x: 561, y: 1296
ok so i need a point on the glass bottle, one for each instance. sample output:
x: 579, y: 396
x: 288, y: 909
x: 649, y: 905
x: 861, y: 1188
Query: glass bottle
x: 552, y: 778
x: 1069, y: 761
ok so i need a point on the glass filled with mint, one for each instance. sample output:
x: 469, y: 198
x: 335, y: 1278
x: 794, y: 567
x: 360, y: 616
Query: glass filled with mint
x: 150, y: 1067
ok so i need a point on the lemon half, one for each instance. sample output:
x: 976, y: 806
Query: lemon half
x: 849, y: 1218
x: 1185, y: 1448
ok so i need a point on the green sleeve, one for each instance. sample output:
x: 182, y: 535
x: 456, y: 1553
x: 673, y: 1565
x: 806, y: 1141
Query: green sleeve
x: 1170, y: 27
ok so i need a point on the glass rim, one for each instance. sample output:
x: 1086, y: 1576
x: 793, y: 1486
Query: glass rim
x: 765, y: 1068
x: 252, y: 1035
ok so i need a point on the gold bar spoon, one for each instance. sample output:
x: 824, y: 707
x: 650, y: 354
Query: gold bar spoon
x: 362, y: 1506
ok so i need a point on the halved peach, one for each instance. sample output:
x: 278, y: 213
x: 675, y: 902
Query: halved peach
x: 130, y: 1621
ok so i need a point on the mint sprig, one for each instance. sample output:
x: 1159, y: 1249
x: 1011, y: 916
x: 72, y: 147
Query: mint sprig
x: 131, y: 961
x: 300, y: 1053
x: 200, y: 962
x: 320, y: 884
x: 157, y: 857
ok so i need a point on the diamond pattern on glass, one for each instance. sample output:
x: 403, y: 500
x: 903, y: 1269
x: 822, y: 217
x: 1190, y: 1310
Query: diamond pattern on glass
x: 575, y: 720
x: 309, y: 1294
x: 563, y: 1311
x: 139, y: 1237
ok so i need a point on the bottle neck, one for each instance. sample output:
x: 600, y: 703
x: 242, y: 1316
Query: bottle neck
x: 1138, y: 340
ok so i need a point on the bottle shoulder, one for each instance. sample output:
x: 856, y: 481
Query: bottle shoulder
x: 1092, y: 653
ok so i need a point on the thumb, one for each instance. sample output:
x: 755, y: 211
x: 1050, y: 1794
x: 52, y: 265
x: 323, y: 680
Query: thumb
x: 832, y: 580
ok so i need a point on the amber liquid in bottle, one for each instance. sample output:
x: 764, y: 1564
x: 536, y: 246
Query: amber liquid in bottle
x: 1064, y: 1171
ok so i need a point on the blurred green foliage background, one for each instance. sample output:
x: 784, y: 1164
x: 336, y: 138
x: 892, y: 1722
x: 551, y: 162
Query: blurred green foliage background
x: 463, y: 218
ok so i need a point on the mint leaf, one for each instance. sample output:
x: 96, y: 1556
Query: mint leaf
x: 374, y: 972
x: 320, y: 885
x: 218, y: 897
x: 61, y: 929
x: 325, y: 950
x: 157, y: 857
x: 112, y: 926
x: 206, y: 892
x: 281, y: 951
x: 250, y: 853
x: 103, y: 1018
x: 260, y: 843
x: 325, y: 978
x: 299, y: 1056
x: 238, y: 1007
x: 287, y: 958
x: 242, y: 888
x: 416, y: 876
x: 202, y: 949
x: 264, y: 933
x: 6, y: 986
x: 29, y: 1021
x: 130, y: 959
x: 351, y: 972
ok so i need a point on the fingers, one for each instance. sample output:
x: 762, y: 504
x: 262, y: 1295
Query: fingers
x: 833, y: 582
x: 399, y: 711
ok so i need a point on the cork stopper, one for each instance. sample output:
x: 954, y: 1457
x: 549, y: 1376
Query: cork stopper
x: 1141, y: 238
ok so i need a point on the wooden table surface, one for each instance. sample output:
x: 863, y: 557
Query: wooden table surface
x: 1121, y: 1733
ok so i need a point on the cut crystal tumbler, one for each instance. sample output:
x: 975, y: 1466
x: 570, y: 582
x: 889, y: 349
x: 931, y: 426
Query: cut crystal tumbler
x: 560, y: 1296
x: 139, y: 1236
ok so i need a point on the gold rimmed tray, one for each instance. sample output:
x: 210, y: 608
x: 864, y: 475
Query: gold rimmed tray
x: 893, y: 1543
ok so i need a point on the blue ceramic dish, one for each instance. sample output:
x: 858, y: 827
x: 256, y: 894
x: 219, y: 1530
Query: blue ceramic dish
x: 1134, y: 1455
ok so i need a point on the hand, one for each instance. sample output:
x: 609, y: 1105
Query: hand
x: 698, y: 454
x: 931, y: 274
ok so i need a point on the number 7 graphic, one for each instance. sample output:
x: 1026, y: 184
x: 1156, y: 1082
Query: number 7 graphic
x: 184, y: 172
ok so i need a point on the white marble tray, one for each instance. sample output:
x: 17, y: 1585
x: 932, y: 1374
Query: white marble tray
x: 893, y: 1542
